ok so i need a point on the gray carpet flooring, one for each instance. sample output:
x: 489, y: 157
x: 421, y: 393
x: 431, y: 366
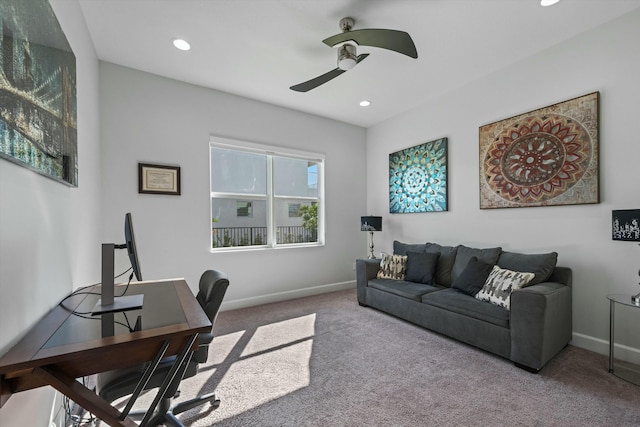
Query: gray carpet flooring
x: 326, y: 361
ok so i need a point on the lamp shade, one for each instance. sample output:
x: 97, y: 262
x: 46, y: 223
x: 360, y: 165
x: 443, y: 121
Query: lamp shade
x: 625, y: 225
x: 370, y: 223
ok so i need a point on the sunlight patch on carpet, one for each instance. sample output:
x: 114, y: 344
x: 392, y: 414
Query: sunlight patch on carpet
x: 280, y: 334
x: 223, y: 345
x: 267, y: 377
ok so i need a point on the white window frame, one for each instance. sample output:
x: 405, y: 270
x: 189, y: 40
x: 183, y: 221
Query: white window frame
x: 270, y: 151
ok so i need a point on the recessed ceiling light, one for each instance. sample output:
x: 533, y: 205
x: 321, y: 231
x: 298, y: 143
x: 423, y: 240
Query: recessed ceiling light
x: 181, y: 44
x: 548, y: 2
x: 365, y: 103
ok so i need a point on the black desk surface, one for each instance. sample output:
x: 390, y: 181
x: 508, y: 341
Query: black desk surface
x: 160, y: 308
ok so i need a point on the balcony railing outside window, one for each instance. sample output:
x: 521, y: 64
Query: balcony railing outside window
x: 257, y: 236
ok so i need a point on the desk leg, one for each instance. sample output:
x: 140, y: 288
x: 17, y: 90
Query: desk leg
x: 181, y: 360
x: 83, y: 396
x: 145, y: 379
x: 5, y: 391
x: 612, y: 317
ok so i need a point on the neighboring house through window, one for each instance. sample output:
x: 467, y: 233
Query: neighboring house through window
x: 294, y: 210
x: 264, y: 196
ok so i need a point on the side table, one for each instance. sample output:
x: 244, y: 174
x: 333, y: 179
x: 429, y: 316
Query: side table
x: 625, y: 370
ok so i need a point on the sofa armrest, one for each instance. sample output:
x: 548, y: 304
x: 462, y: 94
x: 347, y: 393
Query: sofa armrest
x: 540, y: 322
x: 366, y: 269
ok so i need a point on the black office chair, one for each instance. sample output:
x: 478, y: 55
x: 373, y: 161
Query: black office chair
x: 113, y: 385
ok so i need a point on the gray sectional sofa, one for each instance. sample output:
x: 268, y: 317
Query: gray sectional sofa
x: 435, y: 294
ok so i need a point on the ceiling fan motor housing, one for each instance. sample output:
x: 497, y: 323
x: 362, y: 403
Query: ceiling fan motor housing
x: 346, y: 24
x: 347, y: 57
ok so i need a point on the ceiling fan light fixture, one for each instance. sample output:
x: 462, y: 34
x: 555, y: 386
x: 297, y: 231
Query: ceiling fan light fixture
x: 544, y: 3
x: 347, y: 58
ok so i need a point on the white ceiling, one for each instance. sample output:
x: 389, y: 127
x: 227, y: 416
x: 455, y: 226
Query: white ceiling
x: 259, y: 48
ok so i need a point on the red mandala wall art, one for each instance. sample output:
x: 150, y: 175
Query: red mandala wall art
x: 545, y: 157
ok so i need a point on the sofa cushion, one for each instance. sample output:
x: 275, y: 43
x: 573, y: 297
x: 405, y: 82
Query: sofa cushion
x: 464, y: 254
x: 500, y: 283
x: 445, y: 262
x: 400, y: 248
x: 421, y: 267
x: 392, y: 267
x: 541, y: 265
x: 402, y: 288
x: 473, y: 277
x: 457, y: 302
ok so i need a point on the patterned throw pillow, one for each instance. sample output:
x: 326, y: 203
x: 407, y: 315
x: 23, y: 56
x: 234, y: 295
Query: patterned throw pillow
x: 499, y: 285
x: 392, y: 267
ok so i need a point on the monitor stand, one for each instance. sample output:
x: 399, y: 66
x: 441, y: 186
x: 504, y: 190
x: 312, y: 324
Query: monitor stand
x: 109, y: 303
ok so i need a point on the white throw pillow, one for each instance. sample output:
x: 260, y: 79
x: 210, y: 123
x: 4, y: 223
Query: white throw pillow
x: 499, y: 285
x: 392, y: 267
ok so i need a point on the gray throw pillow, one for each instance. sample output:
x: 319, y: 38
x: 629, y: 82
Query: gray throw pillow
x: 400, y: 248
x: 541, y: 265
x: 421, y: 267
x: 464, y: 254
x: 445, y: 262
x: 473, y: 277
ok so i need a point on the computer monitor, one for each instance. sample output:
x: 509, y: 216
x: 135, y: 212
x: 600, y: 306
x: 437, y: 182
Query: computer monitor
x: 109, y: 303
x: 130, y: 241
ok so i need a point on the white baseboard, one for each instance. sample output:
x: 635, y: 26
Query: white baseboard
x: 622, y: 352
x: 287, y: 295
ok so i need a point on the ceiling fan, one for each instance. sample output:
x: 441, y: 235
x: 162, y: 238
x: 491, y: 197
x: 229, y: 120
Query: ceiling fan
x: 397, y: 41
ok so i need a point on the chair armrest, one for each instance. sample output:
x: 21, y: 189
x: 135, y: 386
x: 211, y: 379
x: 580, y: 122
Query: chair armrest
x: 540, y: 323
x: 201, y: 354
x: 366, y: 269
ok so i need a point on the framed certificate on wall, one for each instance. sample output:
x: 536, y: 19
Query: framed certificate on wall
x: 158, y: 179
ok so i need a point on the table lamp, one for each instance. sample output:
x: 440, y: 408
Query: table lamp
x: 625, y: 225
x: 371, y: 224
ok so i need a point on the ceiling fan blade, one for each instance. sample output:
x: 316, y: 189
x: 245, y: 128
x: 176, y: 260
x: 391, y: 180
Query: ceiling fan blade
x: 320, y: 80
x: 398, y: 41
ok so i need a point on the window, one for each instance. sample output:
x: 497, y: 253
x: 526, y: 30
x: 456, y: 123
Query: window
x: 243, y: 209
x: 265, y: 196
x: 294, y: 210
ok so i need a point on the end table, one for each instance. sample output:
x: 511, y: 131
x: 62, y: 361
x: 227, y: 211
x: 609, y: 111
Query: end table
x: 625, y: 370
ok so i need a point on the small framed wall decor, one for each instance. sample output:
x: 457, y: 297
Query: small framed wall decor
x: 158, y: 179
x: 546, y: 157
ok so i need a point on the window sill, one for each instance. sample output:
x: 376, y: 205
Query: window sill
x: 264, y: 248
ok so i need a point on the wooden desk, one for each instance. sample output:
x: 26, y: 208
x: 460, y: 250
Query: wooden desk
x: 64, y: 346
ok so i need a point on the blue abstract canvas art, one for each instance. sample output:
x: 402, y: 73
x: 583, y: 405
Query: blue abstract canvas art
x: 418, y: 178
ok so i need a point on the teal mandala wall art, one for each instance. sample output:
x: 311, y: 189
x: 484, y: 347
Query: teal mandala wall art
x: 418, y: 178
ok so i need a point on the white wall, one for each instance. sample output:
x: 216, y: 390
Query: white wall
x: 147, y: 118
x: 605, y: 60
x: 49, y: 233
